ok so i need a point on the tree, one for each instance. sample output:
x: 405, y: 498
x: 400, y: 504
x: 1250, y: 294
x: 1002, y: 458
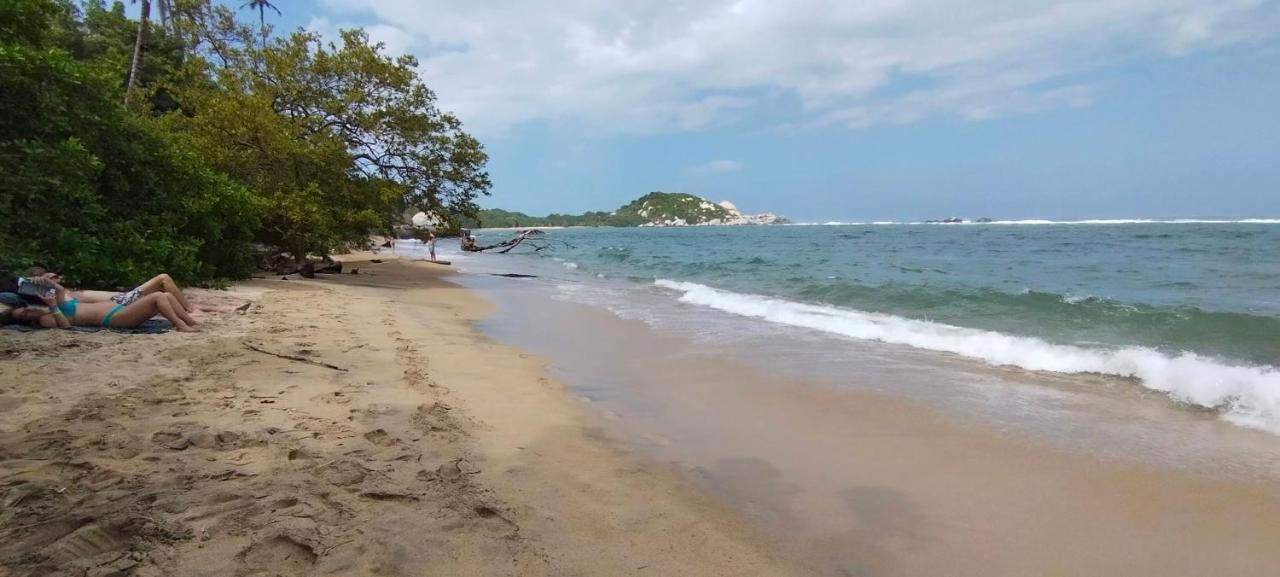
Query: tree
x: 137, y: 48
x: 181, y: 18
x: 262, y: 6
x: 166, y: 15
x: 390, y: 122
x: 104, y: 37
x: 300, y: 144
x: 91, y: 189
x: 337, y: 139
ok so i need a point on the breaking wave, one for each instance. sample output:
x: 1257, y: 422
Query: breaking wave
x: 1245, y: 395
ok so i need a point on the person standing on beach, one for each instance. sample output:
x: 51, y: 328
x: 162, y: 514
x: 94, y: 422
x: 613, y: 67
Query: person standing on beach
x: 431, y: 245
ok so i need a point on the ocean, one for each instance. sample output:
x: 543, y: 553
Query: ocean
x: 1188, y: 308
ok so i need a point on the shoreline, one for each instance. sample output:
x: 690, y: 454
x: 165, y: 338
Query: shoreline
x: 436, y: 450
x: 1185, y: 337
x: 863, y: 480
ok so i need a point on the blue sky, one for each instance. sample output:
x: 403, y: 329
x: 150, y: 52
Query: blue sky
x: 876, y: 110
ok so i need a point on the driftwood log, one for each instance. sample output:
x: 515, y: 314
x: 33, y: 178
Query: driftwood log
x: 533, y: 236
x: 284, y: 263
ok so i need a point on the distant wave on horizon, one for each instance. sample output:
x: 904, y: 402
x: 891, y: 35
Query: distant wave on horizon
x: 1045, y: 221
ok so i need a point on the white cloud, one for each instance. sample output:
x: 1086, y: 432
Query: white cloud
x: 715, y: 167
x: 667, y: 65
x: 395, y: 40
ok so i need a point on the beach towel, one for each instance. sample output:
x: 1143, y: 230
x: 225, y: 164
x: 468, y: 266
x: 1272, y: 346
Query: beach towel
x: 151, y: 327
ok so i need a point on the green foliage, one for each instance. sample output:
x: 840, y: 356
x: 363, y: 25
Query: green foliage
x: 336, y: 138
x: 94, y: 191
x: 27, y: 22
x: 498, y: 218
x: 105, y: 37
x: 295, y: 143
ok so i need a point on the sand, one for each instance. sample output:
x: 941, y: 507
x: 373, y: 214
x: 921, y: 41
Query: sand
x: 424, y: 449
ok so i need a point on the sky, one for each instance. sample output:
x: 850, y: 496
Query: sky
x: 826, y: 110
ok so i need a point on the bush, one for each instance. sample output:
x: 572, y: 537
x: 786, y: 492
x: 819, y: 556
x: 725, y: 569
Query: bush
x: 94, y: 191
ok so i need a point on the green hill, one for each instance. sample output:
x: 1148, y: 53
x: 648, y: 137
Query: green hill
x: 675, y: 208
x: 653, y: 209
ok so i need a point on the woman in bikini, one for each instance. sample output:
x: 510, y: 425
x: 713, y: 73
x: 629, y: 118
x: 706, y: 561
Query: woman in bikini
x: 64, y: 312
x: 161, y: 283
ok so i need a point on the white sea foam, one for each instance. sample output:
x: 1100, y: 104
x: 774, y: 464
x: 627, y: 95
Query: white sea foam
x: 571, y: 265
x: 1246, y: 395
x: 1075, y: 299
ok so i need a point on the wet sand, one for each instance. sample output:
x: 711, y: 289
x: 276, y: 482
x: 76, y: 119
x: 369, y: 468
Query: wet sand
x: 858, y: 483
x: 429, y: 450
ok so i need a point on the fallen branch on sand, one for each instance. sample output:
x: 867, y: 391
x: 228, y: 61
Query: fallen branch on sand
x: 294, y: 358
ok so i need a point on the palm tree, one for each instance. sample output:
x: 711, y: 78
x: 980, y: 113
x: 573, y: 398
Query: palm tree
x: 137, y: 48
x: 262, y: 6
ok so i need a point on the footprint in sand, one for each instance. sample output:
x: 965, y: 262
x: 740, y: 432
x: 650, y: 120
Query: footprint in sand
x: 381, y: 438
x: 342, y: 473
x: 278, y: 555
x: 87, y: 542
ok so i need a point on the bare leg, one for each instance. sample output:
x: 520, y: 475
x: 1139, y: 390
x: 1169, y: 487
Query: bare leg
x: 164, y: 283
x: 147, y: 307
x: 177, y: 308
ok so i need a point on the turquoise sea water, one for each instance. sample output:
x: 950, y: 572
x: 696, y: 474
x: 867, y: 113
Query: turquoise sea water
x: 1188, y: 308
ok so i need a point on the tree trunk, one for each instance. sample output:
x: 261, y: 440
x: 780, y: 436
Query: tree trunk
x: 163, y: 6
x: 137, y: 49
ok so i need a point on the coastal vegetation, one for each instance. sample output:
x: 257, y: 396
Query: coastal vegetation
x: 224, y: 138
x: 653, y: 209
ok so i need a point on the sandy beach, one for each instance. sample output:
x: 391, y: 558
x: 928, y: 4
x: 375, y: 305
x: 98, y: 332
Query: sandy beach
x: 400, y: 439
x: 421, y: 448
x: 580, y: 289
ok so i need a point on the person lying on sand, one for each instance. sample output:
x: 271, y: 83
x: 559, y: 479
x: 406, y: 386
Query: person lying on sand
x: 161, y: 283
x: 62, y: 312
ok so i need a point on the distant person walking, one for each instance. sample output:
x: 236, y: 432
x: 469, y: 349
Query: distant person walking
x: 431, y: 245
